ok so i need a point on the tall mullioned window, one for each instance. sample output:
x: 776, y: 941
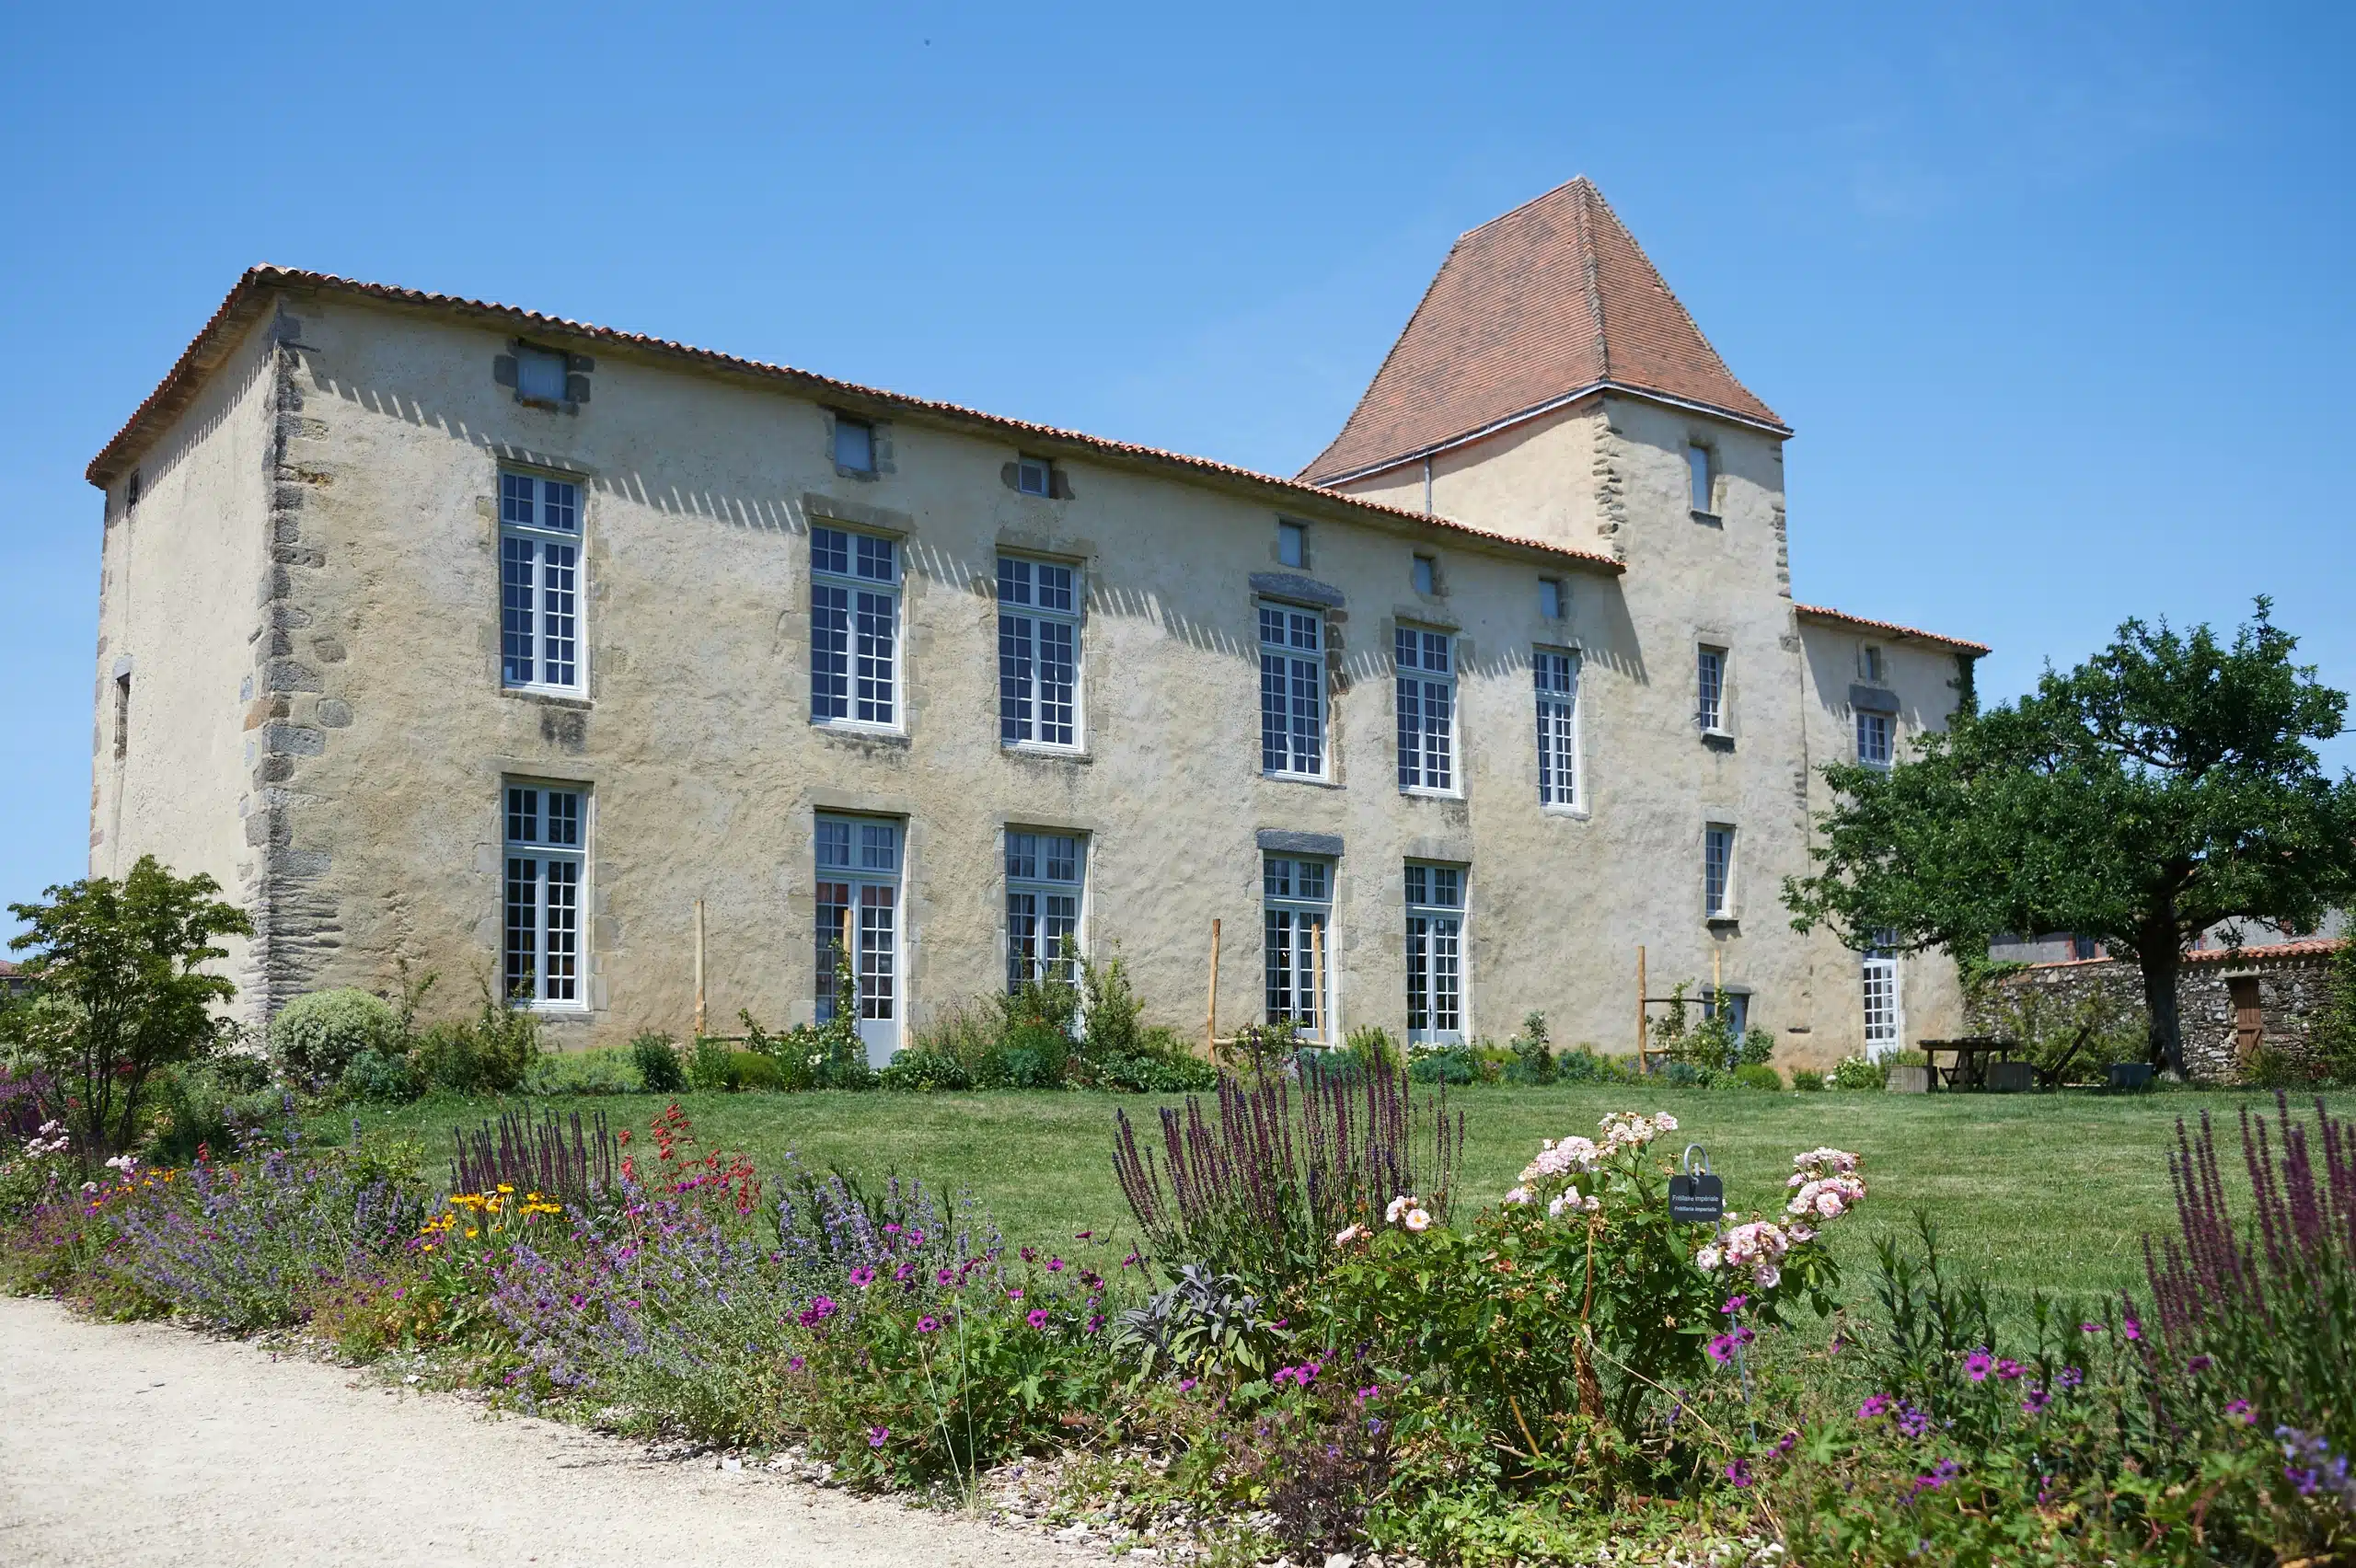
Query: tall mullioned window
x: 854, y: 628
x: 1710, y: 690
x: 1435, y: 954
x: 542, y: 950
x: 1717, y: 871
x: 1038, y: 653
x: 1045, y: 873
x: 1556, y: 674
x: 1874, y: 738
x: 1292, y: 692
x: 1296, y: 908
x: 540, y: 590
x: 1426, y: 709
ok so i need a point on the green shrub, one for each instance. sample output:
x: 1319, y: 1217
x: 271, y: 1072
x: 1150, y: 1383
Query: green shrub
x: 1852, y: 1073
x: 708, y: 1066
x: 925, y: 1072
x: 750, y: 1069
x: 1584, y: 1063
x: 1806, y: 1081
x: 1445, y: 1063
x: 379, y: 1078
x: 490, y: 1055
x: 1159, y: 1072
x: 584, y: 1072
x: 315, y: 1037
x: 657, y: 1060
x: 1759, y: 1074
x: 1533, y: 1057
x: 1372, y: 1045
x: 1907, y: 1059
x: 213, y: 1105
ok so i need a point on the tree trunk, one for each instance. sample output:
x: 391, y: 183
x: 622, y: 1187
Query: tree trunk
x: 2161, y: 959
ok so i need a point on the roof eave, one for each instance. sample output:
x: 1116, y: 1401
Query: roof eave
x: 1538, y: 411
x: 1890, y: 628
x: 244, y: 304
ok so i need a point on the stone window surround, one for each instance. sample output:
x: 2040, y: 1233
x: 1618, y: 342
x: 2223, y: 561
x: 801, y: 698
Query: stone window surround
x: 879, y: 448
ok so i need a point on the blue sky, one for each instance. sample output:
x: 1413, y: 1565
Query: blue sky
x: 2058, y: 303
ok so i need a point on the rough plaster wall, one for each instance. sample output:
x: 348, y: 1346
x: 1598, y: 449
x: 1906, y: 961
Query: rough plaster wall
x: 1656, y: 781
x: 705, y: 769
x: 176, y: 599
x: 1922, y: 676
x: 385, y: 744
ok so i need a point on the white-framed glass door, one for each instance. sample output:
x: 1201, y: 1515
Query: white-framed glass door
x: 1434, y: 954
x: 1297, y: 908
x: 1885, y: 1018
x: 859, y: 863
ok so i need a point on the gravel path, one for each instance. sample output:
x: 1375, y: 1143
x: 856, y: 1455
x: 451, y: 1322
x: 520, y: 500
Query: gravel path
x: 149, y: 1444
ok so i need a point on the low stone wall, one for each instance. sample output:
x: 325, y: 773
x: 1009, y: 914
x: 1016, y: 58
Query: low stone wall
x: 2294, y: 986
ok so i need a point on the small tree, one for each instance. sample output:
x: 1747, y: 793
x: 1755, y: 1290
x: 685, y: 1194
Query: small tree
x: 2165, y: 786
x: 116, y: 964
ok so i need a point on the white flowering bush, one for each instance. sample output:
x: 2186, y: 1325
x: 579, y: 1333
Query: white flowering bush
x: 1560, y: 1321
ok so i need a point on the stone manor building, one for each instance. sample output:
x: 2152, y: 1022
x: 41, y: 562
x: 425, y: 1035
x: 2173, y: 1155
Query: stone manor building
x: 447, y: 634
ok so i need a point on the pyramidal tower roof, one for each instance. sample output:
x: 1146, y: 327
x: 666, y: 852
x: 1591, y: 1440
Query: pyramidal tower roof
x: 1552, y: 301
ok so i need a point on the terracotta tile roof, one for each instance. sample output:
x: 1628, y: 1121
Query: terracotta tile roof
x: 252, y: 298
x: 1837, y: 617
x: 1552, y: 301
x: 2270, y: 952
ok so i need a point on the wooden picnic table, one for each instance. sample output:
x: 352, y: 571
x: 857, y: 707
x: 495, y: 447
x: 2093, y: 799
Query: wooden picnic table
x: 1969, y: 1069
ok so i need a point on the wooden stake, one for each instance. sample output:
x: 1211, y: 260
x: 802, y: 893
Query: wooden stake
x: 699, y: 969
x: 1317, y: 979
x: 1210, y: 1024
x: 1717, y: 979
x: 1640, y: 1007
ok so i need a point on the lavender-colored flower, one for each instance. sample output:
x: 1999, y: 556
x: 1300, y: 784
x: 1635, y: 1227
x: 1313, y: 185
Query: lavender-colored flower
x: 1786, y: 1443
x: 2199, y: 1364
x: 1738, y: 1472
x: 2068, y: 1377
x: 2034, y: 1399
x: 1914, y: 1422
x: 878, y: 1435
x: 1874, y: 1408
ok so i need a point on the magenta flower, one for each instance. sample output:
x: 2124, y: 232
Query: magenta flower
x: 876, y: 1435
x: 891, y: 1229
x: 1785, y: 1443
x: 1721, y: 1349
x: 1738, y: 1472
x: 1874, y: 1408
x: 2241, y: 1410
x: 2008, y: 1369
x: 2199, y: 1364
x: 2131, y: 1329
x: 1037, y: 1318
x: 1186, y: 1384
x: 1055, y: 1265
x: 1976, y: 1366
x: 1096, y: 1323
x: 927, y: 1325
x: 796, y: 1364
x: 2034, y: 1401
x: 862, y: 1277
x: 2090, y: 1328
x: 1015, y: 1294
x: 1735, y: 1304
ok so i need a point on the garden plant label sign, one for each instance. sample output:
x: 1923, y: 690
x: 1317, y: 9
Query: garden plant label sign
x: 1697, y: 1195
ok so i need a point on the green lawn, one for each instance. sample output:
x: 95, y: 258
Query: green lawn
x: 2050, y: 1191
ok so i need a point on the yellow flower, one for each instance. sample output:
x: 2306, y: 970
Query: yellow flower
x: 471, y: 1233
x: 505, y: 1188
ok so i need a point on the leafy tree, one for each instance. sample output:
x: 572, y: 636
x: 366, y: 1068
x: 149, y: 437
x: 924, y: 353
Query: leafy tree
x: 121, y: 994
x: 2167, y: 785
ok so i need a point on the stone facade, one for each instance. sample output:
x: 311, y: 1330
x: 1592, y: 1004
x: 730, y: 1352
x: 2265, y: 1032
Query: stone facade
x: 308, y: 598
x: 2229, y: 1004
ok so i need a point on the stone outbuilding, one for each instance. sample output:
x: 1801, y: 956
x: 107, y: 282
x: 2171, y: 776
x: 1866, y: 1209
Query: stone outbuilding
x: 455, y: 637
x: 2231, y: 1002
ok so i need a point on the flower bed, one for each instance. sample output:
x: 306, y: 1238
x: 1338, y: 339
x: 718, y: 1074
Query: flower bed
x: 1313, y: 1344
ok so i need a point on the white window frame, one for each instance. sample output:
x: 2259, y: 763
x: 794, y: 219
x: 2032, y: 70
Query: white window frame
x: 860, y: 864
x: 1436, y: 950
x: 543, y: 587
x: 1718, y: 869
x: 1298, y: 968
x: 1035, y: 475
x: 1710, y: 661
x: 1555, y: 681
x: 1424, y: 667
x: 846, y: 600
x: 1876, y: 738
x: 1882, y: 992
x: 544, y: 894
x: 1032, y: 618
x: 1298, y: 672
x: 1042, y: 906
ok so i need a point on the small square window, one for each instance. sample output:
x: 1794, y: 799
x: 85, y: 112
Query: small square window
x: 1292, y: 544
x: 539, y: 374
x: 854, y: 444
x: 1426, y: 575
x: 1035, y: 475
x: 1697, y: 460
x: 1550, y: 598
